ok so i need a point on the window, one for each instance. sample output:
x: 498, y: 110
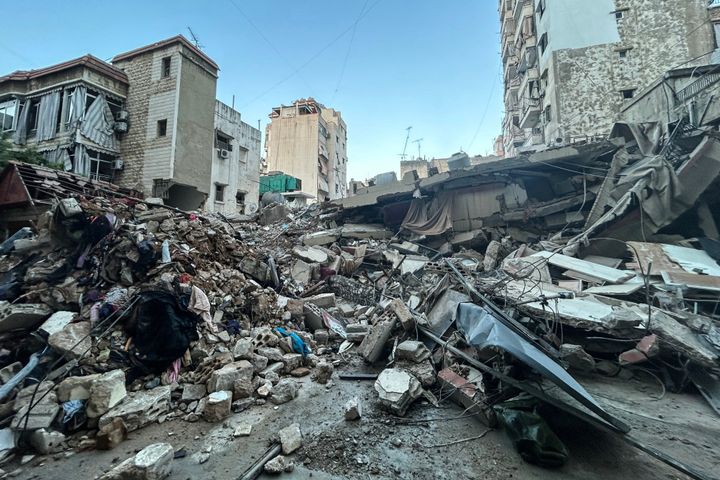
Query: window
x: 629, y: 93
x: 541, y: 8
x: 166, y: 61
x: 33, y: 113
x: 622, y: 53
x: 162, y: 127
x: 716, y: 29
x: 7, y: 115
x: 222, y: 141
x: 219, y: 192
x: 548, y: 114
x: 543, y: 43
x: 618, y: 15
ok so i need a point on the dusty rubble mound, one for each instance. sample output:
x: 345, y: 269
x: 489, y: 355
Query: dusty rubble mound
x: 116, y: 313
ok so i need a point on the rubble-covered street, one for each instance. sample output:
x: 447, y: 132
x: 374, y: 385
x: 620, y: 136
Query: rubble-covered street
x: 140, y: 341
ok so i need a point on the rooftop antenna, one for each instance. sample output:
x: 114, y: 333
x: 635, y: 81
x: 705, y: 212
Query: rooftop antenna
x: 418, y: 141
x: 195, y: 39
x: 407, y: 137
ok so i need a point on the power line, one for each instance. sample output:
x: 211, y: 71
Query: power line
x: 487, y: 106
x: 267, y: 40
x: 347, y: 54
x: 315, y: 56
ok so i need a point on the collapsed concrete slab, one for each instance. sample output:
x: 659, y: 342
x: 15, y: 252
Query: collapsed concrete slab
x: 140, y: 408
x: 153, y: 462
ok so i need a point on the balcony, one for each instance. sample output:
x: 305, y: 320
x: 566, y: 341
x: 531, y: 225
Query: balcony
x: 713, y: 3
x: 531, y: 109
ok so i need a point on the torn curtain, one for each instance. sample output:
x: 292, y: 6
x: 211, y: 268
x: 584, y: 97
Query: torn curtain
x: 432, y: 217
x: 48, y: 115
x: 98, y: 124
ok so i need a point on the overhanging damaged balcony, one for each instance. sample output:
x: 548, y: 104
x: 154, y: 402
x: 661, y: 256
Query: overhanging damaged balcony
x: 531, y: 110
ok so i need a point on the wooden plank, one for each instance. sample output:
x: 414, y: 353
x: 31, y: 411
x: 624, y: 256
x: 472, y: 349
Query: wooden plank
x: 691, y: 280
x: 594, y: 270
x: 652, y: 252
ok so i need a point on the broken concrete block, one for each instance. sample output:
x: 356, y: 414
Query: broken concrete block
x: 313, y: 317
x: 491, y: 255
x: 403, y: 313
x: 283, y: 392
x: 397, y: 390
x: 301, y: 272
x: 292, y: 361
x: 73, y: 340
x: 323, y: 237
x: 22, y: 315
x: 323, y: 372
x: 321, y: 337
x: 140, y: 408
x: 42, y: 415
x: 259, y: 363
x: 243, y: 387
x: 193, y: 392
x: 106, y: 391
x: 46, y: 442
x: 217, y: 407
x: 353, y: 409
x: 224, y: 378
x: 646, y: 348
x: 8, y: 372
x: 373, y: 344
x: 272, y: 214
x: 242, y: 430
x: 356, y: 332
x: 279, y: 464
x: 111, y: 435
x: 243, y: 349
x: 272, y: 368
x: 153, y: 462
x: 310, y: 254
x: 412, y: 350
x: 272, y: 354
x: 324, y: 300
x: 577, y: 357
x: 423, y: 371
x: 290, y: 438
x: 42, y: 393
x: 56, y: 323
x: 70, y: 207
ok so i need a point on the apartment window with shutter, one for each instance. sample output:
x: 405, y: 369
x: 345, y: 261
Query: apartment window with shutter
x: 543, y: 43
x: 162, y: 127
x: 219, y: 192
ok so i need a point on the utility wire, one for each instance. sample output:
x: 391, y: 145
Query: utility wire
x: 315, y: 56
x: 267, y: 40
x: 347, y: 54
x: 487, y: 107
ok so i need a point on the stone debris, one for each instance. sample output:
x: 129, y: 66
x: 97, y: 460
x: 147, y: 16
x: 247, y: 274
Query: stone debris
x: 217, y: 407
x: 290, y: 438
x: 279, y: 464
x: 353, y: 409
x: 153, y: 462
x: 397, y: 389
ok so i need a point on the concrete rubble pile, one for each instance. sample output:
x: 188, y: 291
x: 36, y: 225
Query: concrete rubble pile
x: 118, y: 313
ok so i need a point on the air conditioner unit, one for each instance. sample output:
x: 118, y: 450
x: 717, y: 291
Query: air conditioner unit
x: 224, y: 153
x: 122, y: 116
x: 120, y: 127
x: 118, y: 164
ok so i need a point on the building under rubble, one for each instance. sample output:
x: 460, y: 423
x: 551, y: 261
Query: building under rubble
x: 569, y: 66
x: 147, y: 121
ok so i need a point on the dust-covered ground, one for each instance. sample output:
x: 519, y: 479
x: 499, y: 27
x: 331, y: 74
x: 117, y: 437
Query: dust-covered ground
x: 383, y: 446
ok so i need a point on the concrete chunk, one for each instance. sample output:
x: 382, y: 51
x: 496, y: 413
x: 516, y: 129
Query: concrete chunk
x: 106, y: 391
x: 224, y: 378
x: 75, y: 388
x: 56, y: 322
x: 46, y: 442
x: 140, y: 408
x: 353, y: 409
x: 397, y: 389
x: 153, y: 462
x: 22, y: 315
x: 73, y: 340
x: 290, y: 438
x: 412, y: 350
x: 373, y: 344
x: 217, y: 407
x: 283, y: 392
x: 403, y: 313
x: 310, y: 254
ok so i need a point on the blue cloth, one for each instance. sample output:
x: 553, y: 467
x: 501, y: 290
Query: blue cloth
x: 72, y: 407
x: 297, y: 343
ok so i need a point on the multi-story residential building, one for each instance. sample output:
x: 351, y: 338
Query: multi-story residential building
x: 235, y: 164
x: 571, y: 65
x: 309, y: 141
x: 147, y: 121
x: 67, y: 113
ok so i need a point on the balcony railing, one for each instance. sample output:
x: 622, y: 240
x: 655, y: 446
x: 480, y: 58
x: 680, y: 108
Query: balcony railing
x: 713, y: 3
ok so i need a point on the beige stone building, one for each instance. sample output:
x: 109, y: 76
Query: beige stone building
x: 309, y: 141
x: 168, y: 149
x: 569, y: 66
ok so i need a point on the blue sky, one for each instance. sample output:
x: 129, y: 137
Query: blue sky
x: 385, y: 64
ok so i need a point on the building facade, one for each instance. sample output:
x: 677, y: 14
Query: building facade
x: 68, y: 113
x: 235, y: 165
x: 309, y: 141
x: 148, y: 121
x: 569, y: 66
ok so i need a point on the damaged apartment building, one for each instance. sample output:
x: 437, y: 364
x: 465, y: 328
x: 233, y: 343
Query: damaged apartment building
x: 569, y: 66
x: 309, y: 141
x: 148, y: 121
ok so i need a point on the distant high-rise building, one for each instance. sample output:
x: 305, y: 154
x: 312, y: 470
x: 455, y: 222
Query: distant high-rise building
x: 570, y: 65
x: 309, y: 141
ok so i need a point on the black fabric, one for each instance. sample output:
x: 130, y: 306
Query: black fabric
x: 162, y: 329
